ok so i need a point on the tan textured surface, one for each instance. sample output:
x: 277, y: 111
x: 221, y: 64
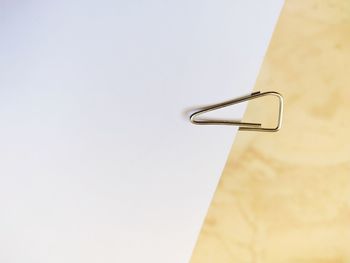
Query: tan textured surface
x: 285, y: 197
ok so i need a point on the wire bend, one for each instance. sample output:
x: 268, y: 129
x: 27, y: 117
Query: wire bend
x: 243, y: 126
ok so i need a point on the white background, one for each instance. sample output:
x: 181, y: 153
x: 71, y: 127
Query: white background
x: 97, y: 161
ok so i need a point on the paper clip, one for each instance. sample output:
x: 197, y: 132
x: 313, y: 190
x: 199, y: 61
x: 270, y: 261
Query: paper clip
x: 243, y: 126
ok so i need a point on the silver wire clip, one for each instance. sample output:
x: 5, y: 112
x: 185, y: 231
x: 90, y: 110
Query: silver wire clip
x: 243, y: 126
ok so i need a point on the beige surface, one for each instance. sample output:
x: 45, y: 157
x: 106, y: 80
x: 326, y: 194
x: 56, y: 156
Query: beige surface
x: 285, y: 197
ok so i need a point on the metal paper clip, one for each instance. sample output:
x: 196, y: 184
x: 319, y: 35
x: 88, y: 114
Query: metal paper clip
x: 243, y: 126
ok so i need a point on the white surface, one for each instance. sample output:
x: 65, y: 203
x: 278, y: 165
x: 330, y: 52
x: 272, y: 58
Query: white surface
x: 98, y: 163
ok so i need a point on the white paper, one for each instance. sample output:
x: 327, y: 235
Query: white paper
x: 98, y: 162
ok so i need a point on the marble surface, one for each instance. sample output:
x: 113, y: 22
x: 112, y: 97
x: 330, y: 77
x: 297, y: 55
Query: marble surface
x: 285, y: 197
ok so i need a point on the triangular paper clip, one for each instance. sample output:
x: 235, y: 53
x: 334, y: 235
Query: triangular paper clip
x: 243, y: 126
